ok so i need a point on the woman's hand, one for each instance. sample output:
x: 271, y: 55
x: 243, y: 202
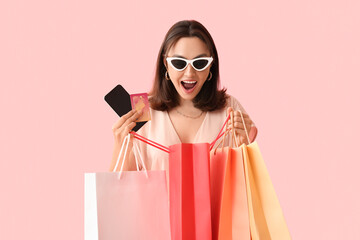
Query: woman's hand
x: 239, y: 126
x: 120, y: 129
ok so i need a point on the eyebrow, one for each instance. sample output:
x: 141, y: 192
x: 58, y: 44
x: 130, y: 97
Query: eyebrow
x: 201, y: 55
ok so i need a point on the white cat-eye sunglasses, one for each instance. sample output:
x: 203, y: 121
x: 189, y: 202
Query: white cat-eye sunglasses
x: 199, y: 64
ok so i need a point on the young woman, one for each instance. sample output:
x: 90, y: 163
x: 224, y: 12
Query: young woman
x: 186, y: 103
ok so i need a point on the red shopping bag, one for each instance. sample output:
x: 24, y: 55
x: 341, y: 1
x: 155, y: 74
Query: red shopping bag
x: 189, y: 189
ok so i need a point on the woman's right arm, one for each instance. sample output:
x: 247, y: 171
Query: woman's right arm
x: 120, y: 129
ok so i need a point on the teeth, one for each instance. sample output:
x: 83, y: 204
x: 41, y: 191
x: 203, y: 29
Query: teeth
x: 190, y: 82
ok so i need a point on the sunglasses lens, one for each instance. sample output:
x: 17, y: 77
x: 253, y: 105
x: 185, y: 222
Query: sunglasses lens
x: 200, y: 64
x: 179, y: 64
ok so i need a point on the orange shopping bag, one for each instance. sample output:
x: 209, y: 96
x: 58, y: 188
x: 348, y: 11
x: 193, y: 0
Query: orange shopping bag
x: 230, y: 217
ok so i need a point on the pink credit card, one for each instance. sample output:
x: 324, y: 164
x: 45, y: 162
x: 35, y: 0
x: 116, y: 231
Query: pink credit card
x: 140, y: 102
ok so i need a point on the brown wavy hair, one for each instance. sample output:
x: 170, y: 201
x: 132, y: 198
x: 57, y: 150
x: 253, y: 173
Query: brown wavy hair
x: 163, y: 95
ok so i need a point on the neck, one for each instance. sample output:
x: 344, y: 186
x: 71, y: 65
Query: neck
x: 187, y: 107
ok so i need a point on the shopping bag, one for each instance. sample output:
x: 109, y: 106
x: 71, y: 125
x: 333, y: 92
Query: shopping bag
x: 266, y: 217
x: 189, y: 190
x: 230, y: 216
x: 129, y: 205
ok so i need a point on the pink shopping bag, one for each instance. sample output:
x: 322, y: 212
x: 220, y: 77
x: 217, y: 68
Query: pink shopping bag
x: 129, y: 204
x: 132, y: 207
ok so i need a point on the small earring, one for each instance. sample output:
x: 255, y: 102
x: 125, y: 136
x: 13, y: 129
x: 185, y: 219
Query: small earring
x: 167, y: 77
x: 209, y: 77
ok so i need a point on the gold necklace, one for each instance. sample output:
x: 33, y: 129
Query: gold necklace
x: 189, y: 116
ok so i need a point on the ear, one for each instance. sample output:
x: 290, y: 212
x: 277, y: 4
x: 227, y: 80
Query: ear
x: 164, y: 61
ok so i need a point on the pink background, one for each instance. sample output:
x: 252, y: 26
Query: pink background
x: 294, y: 66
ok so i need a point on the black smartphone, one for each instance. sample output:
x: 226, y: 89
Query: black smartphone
x: 119, y: 100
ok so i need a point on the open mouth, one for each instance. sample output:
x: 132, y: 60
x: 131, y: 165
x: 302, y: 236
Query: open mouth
x: 188, y: 85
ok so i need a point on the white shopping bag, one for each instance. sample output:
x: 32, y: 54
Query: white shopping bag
x: 126, y: 205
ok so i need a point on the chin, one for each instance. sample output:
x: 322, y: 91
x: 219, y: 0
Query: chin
x: 189, y: 97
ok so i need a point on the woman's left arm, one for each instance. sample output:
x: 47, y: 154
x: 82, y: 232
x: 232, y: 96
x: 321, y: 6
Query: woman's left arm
x: 239, y: 126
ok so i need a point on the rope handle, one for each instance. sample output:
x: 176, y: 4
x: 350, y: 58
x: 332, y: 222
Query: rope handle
x: 226, y: 131
x: 234, y: 138
x: 220, y: 133
x: 246, y: 132
x: 127, y: 140
x: 142, y: 160
x: 150, y: 142
x: 121, y: 149
x: 230, y: 134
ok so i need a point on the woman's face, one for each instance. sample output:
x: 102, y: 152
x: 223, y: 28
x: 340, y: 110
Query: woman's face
x: 189, y: 81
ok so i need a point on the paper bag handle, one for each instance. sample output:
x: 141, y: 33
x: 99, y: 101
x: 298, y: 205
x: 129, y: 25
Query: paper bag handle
x: 142, y: 160
x: 222, y: 133
x: 150, y: 142
x: 127, y: 140
x: 246, y: 132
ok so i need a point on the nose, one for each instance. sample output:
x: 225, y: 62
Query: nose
x: 189, y: 70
